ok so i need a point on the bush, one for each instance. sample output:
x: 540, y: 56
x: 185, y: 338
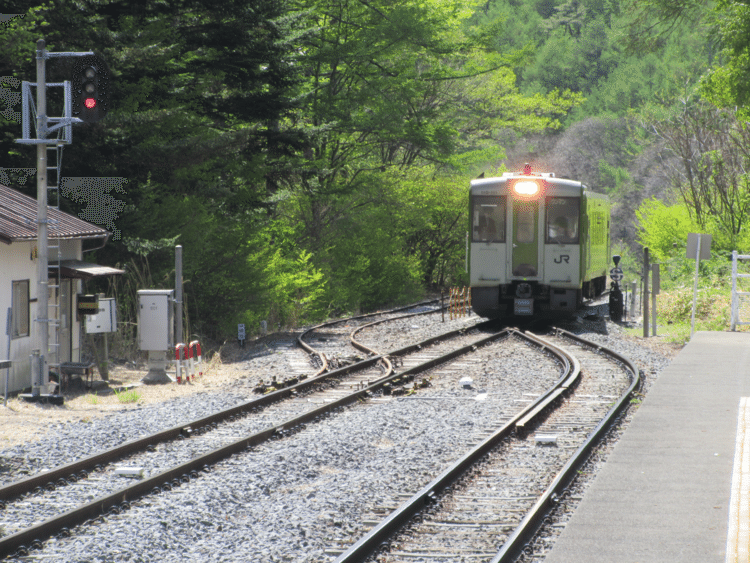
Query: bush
x: 664, y: 228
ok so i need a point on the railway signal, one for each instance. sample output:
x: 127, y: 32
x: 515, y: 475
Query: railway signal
x: 90, y: 88
x: 615, y: 294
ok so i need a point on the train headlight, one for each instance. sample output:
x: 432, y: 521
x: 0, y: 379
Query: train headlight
x: 526, y: 188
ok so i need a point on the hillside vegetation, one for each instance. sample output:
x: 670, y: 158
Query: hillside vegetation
x: 313, y: 156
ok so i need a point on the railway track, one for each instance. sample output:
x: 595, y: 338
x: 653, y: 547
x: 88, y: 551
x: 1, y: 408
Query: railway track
x: 489, y: 499
x: 47, y: 504
x: 328, y: 343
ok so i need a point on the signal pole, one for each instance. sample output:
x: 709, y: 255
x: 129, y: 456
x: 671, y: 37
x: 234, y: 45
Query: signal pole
x: 42, y: 322
x: 646, y: 270
x: 40, y: 371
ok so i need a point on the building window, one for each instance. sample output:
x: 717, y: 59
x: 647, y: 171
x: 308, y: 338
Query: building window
x: 20, y: 308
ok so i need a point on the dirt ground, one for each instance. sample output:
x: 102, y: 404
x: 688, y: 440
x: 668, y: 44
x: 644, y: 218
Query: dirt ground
x: 21, y: 421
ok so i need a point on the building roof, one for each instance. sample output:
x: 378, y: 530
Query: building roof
x: 85, y: 270
x: 18, y: 220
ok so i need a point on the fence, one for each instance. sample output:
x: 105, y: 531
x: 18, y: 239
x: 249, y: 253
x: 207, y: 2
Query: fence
x: 459, y: 304
x: 737, y: 302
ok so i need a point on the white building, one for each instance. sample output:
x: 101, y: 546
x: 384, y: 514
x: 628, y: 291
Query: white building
x: 19, y: 282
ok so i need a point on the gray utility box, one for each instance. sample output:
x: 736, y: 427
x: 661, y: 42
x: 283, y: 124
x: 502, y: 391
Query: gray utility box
x: 156, y: 319
x: 105, y: 320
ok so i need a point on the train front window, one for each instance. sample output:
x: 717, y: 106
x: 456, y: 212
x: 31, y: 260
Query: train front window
x: 563, y: 214
x: 488, y: 219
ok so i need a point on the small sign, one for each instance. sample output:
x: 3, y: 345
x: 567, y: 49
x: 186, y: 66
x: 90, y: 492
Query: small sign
x: 240, y: 332
x: 616, y: 274
x: 692, y: 246
x: 88, y: 304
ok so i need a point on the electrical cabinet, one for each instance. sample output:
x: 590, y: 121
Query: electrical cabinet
x: 156, y: 319
x: 105, y: 320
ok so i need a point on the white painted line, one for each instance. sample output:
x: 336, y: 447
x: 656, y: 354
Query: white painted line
x: 738, y: 534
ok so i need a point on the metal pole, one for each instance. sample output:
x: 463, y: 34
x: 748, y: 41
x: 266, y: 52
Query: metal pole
x: 646, y: 270
x: 653, y: 311
x: 695, y: 284
x: 735, y: 297
x: 9, y: 332
x: 178, y: 292
x: 41, y: 326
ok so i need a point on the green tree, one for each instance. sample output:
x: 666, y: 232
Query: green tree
x: 713, y: 151
x: 663, y: 228
x: 204, y: 98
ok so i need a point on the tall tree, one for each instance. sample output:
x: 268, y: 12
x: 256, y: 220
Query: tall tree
x: 713, y: 150
x: 200, y: 125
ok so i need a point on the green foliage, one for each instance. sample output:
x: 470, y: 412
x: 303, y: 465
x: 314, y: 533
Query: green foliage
x: 663, y: 228
x: 580, y: 46
x: 128, y: 395
x: 432, y: 218
x: 311, y: 156
x: 712, y: 310
x: 293, y: 289
x: 612, y: 178
x: 712, y: 147
x: 726, y: 83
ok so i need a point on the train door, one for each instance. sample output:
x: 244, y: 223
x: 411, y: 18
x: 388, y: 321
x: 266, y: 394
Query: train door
x: 525, y: 251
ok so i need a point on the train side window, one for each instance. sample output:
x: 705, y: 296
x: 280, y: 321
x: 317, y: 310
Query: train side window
x: 563, y: 216
x: 488, y: 219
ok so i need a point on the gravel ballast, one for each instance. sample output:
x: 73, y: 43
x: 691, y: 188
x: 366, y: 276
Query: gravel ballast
x: 295, y: 498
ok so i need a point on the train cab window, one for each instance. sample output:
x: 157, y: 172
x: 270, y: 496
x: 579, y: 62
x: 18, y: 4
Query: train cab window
x: 488, y: 219
x: 563, y: 214
x: 525, y: 216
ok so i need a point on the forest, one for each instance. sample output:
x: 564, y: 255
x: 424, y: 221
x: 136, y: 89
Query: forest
x: 313, y: 157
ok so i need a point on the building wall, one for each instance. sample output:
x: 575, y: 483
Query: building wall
x: 18, y: 262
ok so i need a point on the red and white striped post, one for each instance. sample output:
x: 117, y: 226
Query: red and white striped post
x: 180, y: 352
x: 195, y: 351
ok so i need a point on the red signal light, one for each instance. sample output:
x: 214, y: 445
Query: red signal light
x: 90, y: 88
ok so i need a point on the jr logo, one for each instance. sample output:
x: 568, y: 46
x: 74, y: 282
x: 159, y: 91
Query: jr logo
x: 562, y: 258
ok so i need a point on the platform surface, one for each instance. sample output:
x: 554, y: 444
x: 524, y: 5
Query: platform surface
x: 664, y: 493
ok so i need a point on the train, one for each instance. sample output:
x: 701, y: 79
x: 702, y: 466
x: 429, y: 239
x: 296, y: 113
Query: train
x: 539, y: 245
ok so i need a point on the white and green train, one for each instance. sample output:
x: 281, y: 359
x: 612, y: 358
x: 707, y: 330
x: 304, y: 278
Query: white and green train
x: 539, y: 245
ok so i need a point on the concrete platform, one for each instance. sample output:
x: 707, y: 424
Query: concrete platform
x: 664, y: 493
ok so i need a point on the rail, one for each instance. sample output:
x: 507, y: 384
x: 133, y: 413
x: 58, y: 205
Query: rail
x: 174, y: 476
x: 528, y: 526
x: 322, y: 357
x: 365, y: 545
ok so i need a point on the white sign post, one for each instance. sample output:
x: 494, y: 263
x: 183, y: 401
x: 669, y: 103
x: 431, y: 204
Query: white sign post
x: 698, y: 248
x: 241, y: 334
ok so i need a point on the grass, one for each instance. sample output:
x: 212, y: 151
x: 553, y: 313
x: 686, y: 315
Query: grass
x: 674, y: 310
x: 92, y: 399
x: 128, y: 396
